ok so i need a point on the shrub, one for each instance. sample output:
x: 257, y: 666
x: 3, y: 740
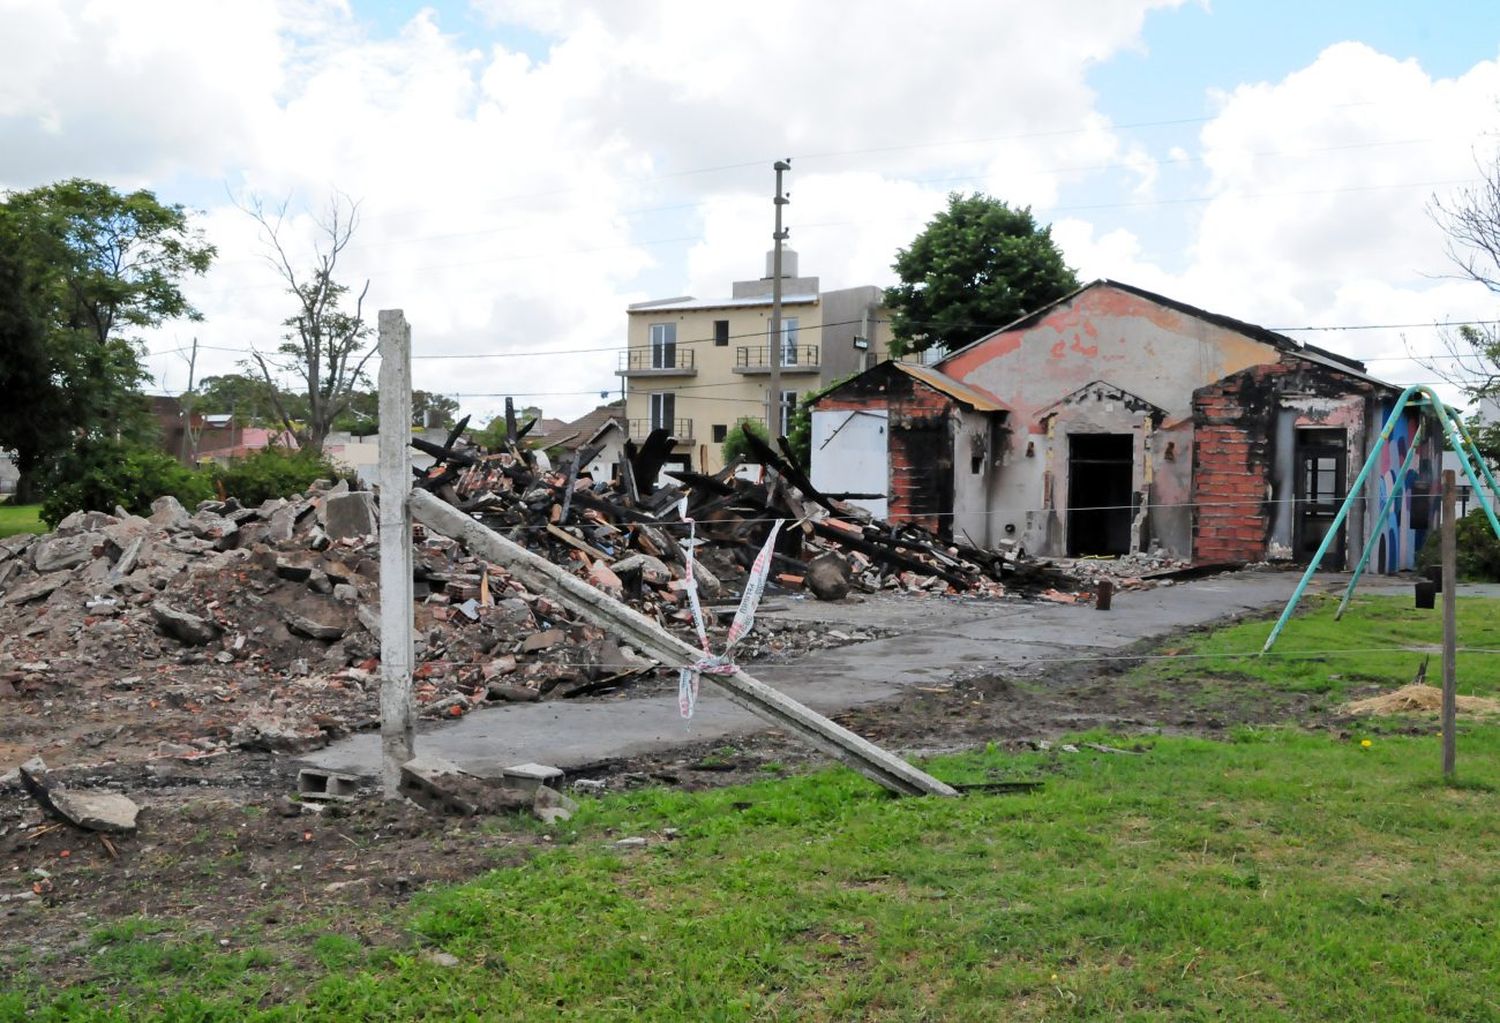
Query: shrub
x: 736, y: 448
x: 1478, y: 550
x: 273, y: 472
x: 97, y: 475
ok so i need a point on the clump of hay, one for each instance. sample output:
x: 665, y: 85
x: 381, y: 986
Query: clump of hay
x: 1418, y: 699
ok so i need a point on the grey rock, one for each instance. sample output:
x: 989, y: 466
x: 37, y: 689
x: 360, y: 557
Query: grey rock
x: 190, y: 544
x: 34, y: 590
x: 551, y: 805
x: 8, y: 571
x: 295, y: 566
x: 127, y: 561
x: 653, y: 571
x: 347, y: 594
x: 182, y: 626
x: 542, y: 640
x: 96, y: 811
x: 168, y: 513
x: 312, y: 629
x: 209, y: 526
x: 828, y: 576
x: 280, y: 525
x: 14, y: 546
x: 350, y: 515
x: 633, y: 842
x: 60, y: 552
x: 708, y: 583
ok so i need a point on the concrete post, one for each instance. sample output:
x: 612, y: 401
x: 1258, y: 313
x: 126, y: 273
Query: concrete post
x: 397, y: 718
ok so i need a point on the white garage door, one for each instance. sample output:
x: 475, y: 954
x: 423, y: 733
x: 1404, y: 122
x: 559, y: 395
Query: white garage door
x: 849, y: 455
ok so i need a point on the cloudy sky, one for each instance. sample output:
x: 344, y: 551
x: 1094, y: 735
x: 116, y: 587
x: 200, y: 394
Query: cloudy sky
x: 527, y: 168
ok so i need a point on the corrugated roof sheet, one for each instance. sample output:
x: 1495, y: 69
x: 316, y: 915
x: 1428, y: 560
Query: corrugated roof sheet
x: 975, y: 398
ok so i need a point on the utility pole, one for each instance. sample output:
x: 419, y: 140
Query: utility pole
x: 773, y: 399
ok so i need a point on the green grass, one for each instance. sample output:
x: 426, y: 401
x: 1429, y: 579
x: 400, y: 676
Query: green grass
x: 1379, y: 640
x: 1282, y: 875
x: 20, y: 518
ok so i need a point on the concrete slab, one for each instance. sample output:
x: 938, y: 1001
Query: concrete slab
x: 945, y: 636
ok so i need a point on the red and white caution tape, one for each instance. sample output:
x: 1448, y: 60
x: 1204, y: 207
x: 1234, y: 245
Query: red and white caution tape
x: 688, y: 678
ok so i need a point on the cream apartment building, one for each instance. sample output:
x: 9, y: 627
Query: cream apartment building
x: 696, y: 366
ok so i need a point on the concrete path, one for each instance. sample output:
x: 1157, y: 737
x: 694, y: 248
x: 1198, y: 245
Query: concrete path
x: 940, y: 637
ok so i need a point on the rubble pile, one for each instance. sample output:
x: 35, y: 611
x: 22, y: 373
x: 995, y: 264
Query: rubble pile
x: 186, y: 634
x: 634, y: 530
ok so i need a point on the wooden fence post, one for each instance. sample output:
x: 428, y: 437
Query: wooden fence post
x: 1450, y: 624
x: 397, y: 720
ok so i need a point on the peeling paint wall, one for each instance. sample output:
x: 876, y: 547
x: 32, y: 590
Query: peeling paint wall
x: 976, y: 441
x: 1143, y: 350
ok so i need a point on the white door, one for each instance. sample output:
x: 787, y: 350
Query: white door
x: 849, y: 455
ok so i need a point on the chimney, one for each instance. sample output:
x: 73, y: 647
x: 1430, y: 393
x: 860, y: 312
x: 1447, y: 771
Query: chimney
x: 788, y: 263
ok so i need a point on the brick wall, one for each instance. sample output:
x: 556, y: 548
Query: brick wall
x: 1232, y: 466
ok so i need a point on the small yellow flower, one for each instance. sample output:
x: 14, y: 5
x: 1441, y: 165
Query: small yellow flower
x: 1365, y: 743
x: 1054, y: 978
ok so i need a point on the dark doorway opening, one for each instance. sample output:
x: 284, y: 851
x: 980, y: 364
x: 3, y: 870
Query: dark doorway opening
x: 1100, y: 501
x: 1322, y: 461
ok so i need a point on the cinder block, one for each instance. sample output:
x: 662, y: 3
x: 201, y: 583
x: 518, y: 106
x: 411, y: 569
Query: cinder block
x: 531, y: 777
x: 331, y: 786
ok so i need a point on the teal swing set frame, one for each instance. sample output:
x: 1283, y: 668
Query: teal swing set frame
x: 1459, y: 440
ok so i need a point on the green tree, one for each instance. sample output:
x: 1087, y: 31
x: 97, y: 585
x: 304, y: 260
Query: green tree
x: 492, y: 436
x: 87, y: 269
x: 976, y: 266
x: 250, y: 399
x: 736, y: 448
x: 430, y: 409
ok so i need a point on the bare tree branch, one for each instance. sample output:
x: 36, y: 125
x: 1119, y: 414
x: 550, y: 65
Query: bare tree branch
x: 322, y: 339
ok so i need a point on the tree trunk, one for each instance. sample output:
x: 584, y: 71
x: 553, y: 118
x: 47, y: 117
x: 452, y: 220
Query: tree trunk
x: 26, y: 489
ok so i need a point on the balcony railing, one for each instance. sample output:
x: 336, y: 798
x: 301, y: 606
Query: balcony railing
x: 639, y: 429
x: 794, y: 359
x: 670, y: 361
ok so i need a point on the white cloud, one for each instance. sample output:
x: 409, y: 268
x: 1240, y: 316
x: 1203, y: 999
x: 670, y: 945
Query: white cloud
x: 516, y: 202
x: 1318, y: 190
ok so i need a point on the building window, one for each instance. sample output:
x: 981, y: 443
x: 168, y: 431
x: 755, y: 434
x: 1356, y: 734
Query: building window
x: 721, y: 433
x: 788, y: 340
x: 788, y: 406
x: 663, y: 410
x: 721, y: 333
x: 663, y: 346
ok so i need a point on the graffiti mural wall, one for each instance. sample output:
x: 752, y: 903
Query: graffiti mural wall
x: 1405, y: 529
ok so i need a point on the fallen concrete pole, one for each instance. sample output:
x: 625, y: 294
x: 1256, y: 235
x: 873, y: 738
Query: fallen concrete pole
x: 541, y: 576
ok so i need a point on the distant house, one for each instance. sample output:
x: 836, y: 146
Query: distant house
x: 1117, y: 420
x: 212, y: 436
x: 604, y: 426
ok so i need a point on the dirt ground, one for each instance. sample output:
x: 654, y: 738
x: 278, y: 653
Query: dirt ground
x: 223, y: 851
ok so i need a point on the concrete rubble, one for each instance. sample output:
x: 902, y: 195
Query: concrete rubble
x: 192, y: 633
